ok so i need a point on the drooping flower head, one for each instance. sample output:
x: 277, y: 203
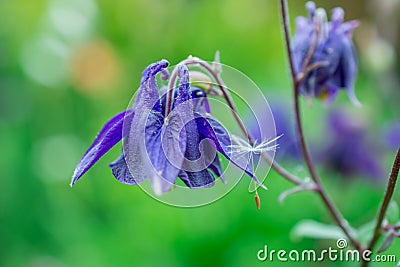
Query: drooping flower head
x: 161, y: 147
x: 333, y: 65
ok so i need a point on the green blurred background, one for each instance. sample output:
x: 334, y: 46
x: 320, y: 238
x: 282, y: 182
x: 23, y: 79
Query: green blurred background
x: 66, y: 66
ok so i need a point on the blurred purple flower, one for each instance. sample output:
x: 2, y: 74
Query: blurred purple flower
x: 348, y: 150
x: 288, y: 146
x: 161, y: 149
x: 392, y: 136
x: 334, y: 51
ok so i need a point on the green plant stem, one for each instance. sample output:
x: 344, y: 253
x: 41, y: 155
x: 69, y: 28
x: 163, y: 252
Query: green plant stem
x: 385, y: 203
x: 336, y: 215
x: 195, y: 61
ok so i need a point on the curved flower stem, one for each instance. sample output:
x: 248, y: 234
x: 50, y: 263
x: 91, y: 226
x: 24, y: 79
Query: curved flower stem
x: 311, y: 51
x: 395, y: 227
x: 385, y: 204
x: 195, y: 61
x: 337, y: 216
x: 282, y: 171
x: 301, y: 76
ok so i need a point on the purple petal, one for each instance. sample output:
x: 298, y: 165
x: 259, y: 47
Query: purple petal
x: 310, y: 6
x: 210, y: 155
x: 196, y: 162
x: 166, y: 142
x: 203, y: 178
x: 122, y: 173
x: 392, y: 135
x: 163, y: 154
x: 146, y: 103
x: 153, y: 147
x: 346, y: 69
x: 148, y: 96
x: 105, y: 129
x: 195, y: 180
x: 214, y: 131
x: 302, y: 41
x: 148, y: 87
x: 107, y: 138
x: 153, y: 69
x: 216, y: 168
x: 184, y: 87
x: 337, y: 17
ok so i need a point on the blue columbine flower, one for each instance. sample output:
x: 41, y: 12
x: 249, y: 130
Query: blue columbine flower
x: 347, y: 149
x: 161, y: 147
x: 334, y: 52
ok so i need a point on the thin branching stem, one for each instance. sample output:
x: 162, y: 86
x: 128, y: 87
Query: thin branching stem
x: 195, y: 61
x: 301, y: 76
x: 385, y: 203
x: 337, y: 216
x: 312, y: 49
